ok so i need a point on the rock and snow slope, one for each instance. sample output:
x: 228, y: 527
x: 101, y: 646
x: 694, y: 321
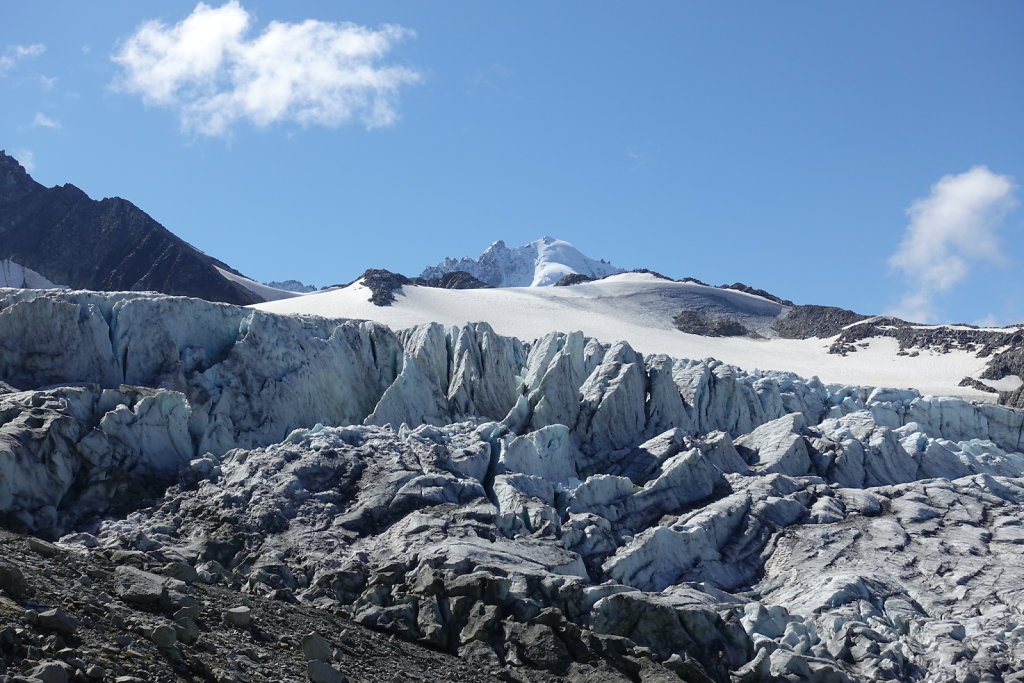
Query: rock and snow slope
x: 562, y: 505
x: 537, y: 264
x: 640, y: 308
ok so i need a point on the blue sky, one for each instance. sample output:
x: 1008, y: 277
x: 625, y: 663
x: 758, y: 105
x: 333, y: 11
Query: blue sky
x: 778, y: 144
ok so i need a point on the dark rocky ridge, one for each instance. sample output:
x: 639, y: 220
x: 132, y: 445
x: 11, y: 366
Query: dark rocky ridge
x: 457, y: 279
x: 655, y: 273
x: 740, y: 287
x: 573, y: 279
x: 977, y: 384
x: 106, y: 245
x: 383, y: 283
x: 803, y: 322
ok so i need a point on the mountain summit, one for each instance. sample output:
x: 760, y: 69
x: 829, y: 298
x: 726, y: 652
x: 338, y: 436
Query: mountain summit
x: 539, y: 263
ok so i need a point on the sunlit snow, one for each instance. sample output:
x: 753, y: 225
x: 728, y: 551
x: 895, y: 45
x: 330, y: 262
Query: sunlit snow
x: 638, y: 308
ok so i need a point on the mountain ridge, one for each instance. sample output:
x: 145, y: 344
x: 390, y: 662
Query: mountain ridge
x: 49, y: 230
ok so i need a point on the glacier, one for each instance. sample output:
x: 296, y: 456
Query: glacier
x: 640, y: 308
x: 558, y: 505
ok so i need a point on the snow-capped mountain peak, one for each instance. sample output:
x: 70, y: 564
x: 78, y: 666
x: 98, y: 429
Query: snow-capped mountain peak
x: 540, y: 263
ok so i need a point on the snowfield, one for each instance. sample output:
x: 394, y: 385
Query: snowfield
x: 638, y: 308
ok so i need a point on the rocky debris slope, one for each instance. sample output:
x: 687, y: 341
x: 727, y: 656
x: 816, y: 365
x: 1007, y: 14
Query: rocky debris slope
x: 1003, y: 347
x: 49, y: 230
x: 91, y: 615
x: 941, y: 338
x: 561, y: 508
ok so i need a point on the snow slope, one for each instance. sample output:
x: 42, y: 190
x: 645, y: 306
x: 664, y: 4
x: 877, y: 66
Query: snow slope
x: 538, y: 264
x: 13, y: 274
x: 638, y: 309
x: 266, y: 292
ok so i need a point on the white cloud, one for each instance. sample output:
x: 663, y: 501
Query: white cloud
x: 950, y: 231
x: 312, y: 73
x: 43, y: 121
x: 26, y: 158
x: 17, y: 53
x: 990, y: 320
x: 47, y: 82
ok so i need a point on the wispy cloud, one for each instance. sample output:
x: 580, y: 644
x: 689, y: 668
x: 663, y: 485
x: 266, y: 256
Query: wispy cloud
x: 26, y: 158
x: 18, y: 53
x: 312, y: 73
x: 950, y: 231
x: 47, y: 82
x: 41, y: 120
x: 490, y: 78
x: 637, y: 157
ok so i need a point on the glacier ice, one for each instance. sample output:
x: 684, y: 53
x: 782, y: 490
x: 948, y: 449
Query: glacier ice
x: 483, y: 494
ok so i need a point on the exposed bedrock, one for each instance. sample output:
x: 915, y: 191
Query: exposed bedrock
x: 559, y: 505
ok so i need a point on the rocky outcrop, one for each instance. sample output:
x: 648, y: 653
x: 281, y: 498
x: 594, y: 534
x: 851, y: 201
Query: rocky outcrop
x: 1013, y: 399
x: 48, y: 230
x: 382, y: 285
x: 457, y: 279
x: 696, y: 322
x: 803, y: 322
x: 573, y: 279
x: 1010, y: 359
